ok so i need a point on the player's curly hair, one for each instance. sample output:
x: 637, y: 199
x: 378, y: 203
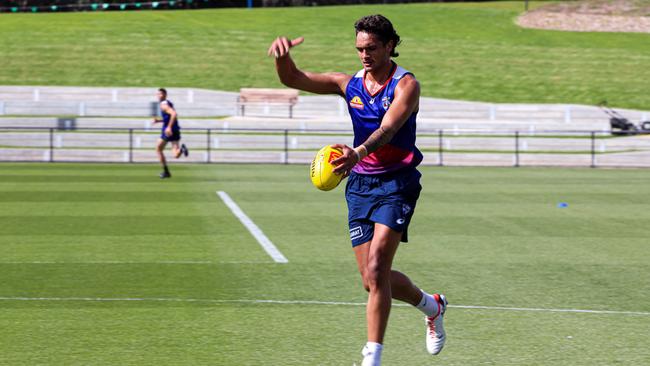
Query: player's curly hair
x: 380, y: 26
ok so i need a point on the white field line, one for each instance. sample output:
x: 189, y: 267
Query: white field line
x: 266, y: 244
x: 313, y: 302
x: 106, y: 262
x: 136, y: 262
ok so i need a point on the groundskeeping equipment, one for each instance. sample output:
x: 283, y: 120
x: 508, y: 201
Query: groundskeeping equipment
x: 622, y: 126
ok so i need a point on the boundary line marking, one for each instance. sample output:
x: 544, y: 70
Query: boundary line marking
x: 137, y: 262
x: 264, y: 241
x: 106, y: 262
x: 313, y: 302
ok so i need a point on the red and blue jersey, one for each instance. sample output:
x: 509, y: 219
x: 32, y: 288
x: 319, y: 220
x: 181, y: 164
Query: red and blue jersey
x: 367, y: 111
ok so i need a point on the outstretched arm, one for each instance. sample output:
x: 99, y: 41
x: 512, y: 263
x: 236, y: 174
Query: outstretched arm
x: 407, y: 96
x: 291, y: 76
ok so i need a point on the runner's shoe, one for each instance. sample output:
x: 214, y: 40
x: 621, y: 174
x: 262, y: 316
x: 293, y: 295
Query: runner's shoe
x: 435, y: 330
x: 184, y: 150
x: 164, y: 175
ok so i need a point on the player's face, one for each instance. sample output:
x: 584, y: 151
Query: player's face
x: 161, y: 96
x: 373, y: 53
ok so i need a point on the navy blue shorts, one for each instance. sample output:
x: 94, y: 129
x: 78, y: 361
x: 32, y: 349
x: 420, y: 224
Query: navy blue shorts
x: 387, y: 199
x: 176, y: 135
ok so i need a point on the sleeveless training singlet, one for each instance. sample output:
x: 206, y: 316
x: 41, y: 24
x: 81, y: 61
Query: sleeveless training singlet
x: 367, y: 111
x: 166, y: 117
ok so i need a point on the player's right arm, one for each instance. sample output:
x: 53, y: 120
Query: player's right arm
x: 291, y: 76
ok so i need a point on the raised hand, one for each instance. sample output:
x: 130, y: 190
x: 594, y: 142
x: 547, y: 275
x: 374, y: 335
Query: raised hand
x: 281, y: 45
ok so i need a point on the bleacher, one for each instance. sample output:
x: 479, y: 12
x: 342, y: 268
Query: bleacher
x: 71, y: 124
x: 111, y: 102
x: 311, y: 112
x: 62, y: 120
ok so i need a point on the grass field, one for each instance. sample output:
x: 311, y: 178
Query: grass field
x: 471, y: 51
x: 485, y: 237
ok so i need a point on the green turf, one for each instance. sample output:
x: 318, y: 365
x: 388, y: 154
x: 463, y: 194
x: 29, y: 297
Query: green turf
x: 484, y: 236
x: 470, y: 51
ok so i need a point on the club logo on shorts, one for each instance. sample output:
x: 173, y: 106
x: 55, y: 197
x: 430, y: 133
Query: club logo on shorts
x: 399, y: 221
x: 356, y: 102
x: 356, y: 233
x: 406, y: 209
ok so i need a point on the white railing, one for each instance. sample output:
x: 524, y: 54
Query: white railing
x: 293, y: 146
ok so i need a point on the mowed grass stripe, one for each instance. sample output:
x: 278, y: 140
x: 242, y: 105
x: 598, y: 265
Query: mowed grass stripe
x: 497, y: 226
x: 142, y: 334
x: 489, y: 284
x: 157, y: 208
x: 462, y: 249
x: 215, y: 248
x: 100, y: 196
x: 116, y: 225
x: 95, y: 178
x: 451, y: 198
x: 315, y: 302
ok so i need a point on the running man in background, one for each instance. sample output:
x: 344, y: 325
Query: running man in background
x: 171, y: 132
x: 384, y: 184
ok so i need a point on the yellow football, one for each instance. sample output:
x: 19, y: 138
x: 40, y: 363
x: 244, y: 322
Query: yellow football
x: 321, y: 173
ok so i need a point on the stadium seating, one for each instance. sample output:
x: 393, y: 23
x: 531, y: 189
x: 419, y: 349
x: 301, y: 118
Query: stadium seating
x: 309, y: 112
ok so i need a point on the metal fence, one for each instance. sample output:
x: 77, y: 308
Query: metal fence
x: 295, y: 146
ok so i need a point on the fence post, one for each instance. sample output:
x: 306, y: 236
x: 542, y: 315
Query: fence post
x: 567, y: 114
x: 130, y: 145
x: 208, y: 147
x: 493, y: 112
x: 51, y: 145
x: 440, y: 148
x: 516, y: 149
x: 593, y: 149
x: 286, y: 146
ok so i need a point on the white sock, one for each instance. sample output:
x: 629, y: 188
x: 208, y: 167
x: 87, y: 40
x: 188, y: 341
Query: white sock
x: 428, y: 305
x: 372, y: 354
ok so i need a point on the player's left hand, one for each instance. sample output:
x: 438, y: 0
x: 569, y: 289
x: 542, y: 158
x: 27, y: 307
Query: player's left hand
x: 346, y: 162
x: 168, y: 132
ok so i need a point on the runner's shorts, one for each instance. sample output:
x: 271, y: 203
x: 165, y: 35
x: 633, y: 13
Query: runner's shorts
x: 388, y: 199
x: 176, y: 135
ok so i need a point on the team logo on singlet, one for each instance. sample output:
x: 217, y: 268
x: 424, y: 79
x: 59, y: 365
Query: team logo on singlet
x: 385, y: 102
x: 356, y: 103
